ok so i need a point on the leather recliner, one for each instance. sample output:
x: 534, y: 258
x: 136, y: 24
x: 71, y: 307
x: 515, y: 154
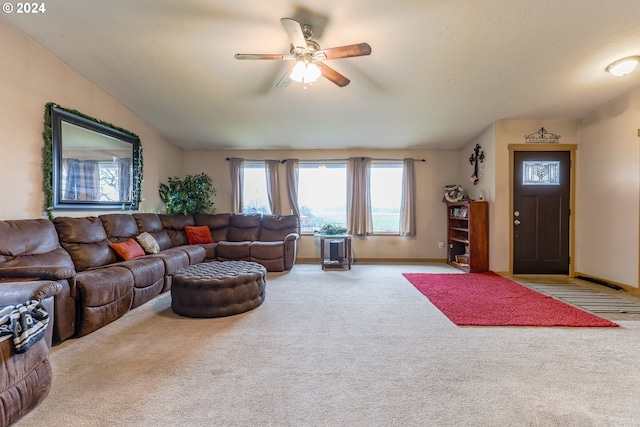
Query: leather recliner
x: 25, y: 378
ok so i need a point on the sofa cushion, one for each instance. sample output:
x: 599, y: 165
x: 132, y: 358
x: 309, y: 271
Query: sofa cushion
x: 128, y: 249
x: 174, y: 259
x: 148, y: 243
x: 269, y: 254
x: 86, y: 241
x: 275, y: 228
x: 32, y: 236
x: 31, y: 242
x: 196, y: 253
x: 233, y: 251
x: 119, y: 227
x: 244, y: 227
x: 152, y: 224
x: 198, y: 234
x: 104, y: 295
x: 148, y: 278
x: 174, y: 226
x: 217, y: 223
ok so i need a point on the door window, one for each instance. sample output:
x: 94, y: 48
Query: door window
x: 540, y: 172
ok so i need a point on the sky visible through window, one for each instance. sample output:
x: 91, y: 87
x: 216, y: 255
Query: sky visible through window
x: 254, y: 197
x: 386, y: 197
x: 322, y: 194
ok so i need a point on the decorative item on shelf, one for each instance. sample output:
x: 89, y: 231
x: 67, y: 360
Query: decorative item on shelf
x: 453, y: 193
x: 190, y: 195
x: 476, y: 157
x: 462, y: 259
x: 331, y: 229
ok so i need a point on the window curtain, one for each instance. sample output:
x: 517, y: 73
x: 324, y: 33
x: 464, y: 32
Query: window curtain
x: 273, y: 185
x: 292, y: 188
x: 83, y: 179
x: 237, y: 184
x: 408, y: 204
x: 73, y: 173
x: 292, y: 185
x: 125, y: 173
x: 90, y: 188
x: 359, y: 219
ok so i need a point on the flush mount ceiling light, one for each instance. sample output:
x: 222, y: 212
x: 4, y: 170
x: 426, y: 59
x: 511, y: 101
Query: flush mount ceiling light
x: 623, y: 66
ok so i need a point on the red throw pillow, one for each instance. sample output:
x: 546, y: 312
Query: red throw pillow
x: 198, y: 234
x: 128, y: 250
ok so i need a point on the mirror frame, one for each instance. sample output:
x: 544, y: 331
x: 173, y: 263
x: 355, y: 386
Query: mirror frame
x: 52, y: 160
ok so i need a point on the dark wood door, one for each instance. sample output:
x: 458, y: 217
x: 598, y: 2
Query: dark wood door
x: 541, y: 202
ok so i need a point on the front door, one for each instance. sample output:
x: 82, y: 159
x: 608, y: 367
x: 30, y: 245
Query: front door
x: 541, y: 209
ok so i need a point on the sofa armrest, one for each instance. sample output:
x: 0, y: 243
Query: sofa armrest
x: 291, y: 236
x: 37, y: 273
x: 17, y: 292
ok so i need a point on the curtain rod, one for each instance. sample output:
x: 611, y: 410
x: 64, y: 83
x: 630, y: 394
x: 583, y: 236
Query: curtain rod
x: 332, y: 160
x: 256, y: 160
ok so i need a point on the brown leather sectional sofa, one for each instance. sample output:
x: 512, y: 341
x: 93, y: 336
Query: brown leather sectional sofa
x: 98, y: 288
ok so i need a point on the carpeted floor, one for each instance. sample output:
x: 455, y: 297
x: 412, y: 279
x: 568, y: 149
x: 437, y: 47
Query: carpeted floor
x: 487, y: 299
x: 341, y: 348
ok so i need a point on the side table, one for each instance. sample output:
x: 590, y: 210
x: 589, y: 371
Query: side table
x: 344, y: 260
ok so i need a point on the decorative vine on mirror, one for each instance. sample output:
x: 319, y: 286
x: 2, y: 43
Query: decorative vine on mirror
x: 89, y: 164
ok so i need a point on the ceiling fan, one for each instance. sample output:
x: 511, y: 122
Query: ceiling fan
x: 308, y: 56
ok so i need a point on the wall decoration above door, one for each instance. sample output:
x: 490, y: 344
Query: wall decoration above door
x: 542, y: 137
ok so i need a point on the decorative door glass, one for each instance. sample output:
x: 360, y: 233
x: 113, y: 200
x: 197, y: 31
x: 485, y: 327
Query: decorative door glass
x: 540, y: 172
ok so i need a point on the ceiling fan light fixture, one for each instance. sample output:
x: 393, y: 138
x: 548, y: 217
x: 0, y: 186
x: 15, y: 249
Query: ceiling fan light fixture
x: 313, y: 73
x: 305, y: 73
x: 623, y: 66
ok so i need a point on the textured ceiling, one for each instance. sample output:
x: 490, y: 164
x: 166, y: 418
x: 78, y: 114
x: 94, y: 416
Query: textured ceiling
x: 440, y: 72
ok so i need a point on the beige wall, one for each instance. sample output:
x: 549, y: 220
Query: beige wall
x: 30, y: 77
x: 486, y: 184
x: 608, y: 192
x: 440, y: 169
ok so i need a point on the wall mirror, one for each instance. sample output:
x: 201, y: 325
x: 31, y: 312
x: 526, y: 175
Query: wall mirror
x: 94, y: 165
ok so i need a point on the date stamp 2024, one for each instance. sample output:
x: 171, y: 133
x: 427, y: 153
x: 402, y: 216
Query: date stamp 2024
x: 24, y: 8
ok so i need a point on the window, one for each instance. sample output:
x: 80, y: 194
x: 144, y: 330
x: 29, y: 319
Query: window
x: 322, y: 195
x: 104, y: 189
x: 109, y: 182
x: 254, y: 191
x: 541, y: 172
x: 386, y: 196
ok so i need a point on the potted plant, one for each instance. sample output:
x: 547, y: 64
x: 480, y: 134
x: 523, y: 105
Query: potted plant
x: 331, y: 229
x: 189, y: 195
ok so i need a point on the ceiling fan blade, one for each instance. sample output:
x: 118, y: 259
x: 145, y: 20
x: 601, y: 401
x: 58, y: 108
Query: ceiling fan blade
x: 285, y: 81
x: 294, y: 30
x: 360, y: 49
x: 333, y: 75
x: 276, y: 56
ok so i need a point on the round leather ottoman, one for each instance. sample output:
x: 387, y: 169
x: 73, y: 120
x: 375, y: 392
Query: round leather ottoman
x: 217, y: 289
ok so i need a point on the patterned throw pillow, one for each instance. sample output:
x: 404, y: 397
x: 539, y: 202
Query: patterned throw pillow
x: 127, y: 250
x: 198, y: 234
x: 148, y: 243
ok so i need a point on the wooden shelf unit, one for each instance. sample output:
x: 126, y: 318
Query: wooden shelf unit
x: 468, y: 235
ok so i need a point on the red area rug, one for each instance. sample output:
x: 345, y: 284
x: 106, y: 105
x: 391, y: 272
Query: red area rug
x: 488, y: 299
